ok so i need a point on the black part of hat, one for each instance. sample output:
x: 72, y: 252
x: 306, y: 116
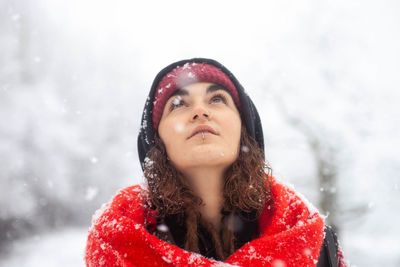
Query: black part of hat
x: 248, y: 112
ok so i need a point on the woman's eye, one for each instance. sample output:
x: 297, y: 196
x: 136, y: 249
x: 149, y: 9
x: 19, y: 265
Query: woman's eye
x: 176, y: 103
x: 218, y: 99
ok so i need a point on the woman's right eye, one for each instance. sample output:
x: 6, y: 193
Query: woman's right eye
x: 176, y: 103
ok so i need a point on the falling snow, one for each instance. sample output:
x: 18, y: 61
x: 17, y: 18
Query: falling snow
x: 162, y: 228
x: 64, y: 146
x: 177, y: 100
x: 245, y: 149
x: 91, y: 192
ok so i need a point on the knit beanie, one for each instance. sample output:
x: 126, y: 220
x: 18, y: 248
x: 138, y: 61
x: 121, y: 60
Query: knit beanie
x: 185, y: 72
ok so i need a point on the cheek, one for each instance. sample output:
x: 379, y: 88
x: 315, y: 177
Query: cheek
x: 178, y: 127
x: 234, y: 124
x: 169, y: 128
x: 236, y: 138
x: 171, y: 133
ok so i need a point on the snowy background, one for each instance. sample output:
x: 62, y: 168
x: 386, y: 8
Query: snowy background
x: 74, y: 76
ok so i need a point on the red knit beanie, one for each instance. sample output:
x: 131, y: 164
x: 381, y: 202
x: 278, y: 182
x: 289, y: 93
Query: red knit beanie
x: 187, y: 74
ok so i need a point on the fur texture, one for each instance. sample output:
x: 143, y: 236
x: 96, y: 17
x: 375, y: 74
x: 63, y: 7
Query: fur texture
x: 291, y: 235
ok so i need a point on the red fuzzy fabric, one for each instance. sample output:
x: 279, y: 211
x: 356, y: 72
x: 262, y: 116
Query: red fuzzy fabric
x: 291, y: 235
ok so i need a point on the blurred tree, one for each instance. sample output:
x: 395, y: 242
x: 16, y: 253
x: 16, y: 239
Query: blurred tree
x: 326, y: 171
x: 326, y: 150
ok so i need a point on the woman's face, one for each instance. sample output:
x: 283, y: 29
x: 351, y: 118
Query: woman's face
x: 200, y: 126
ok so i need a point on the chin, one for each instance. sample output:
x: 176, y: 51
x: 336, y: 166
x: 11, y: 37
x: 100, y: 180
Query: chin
x: 206, y: 155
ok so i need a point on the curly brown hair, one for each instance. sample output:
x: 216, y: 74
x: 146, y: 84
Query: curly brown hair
x: 246, y: 189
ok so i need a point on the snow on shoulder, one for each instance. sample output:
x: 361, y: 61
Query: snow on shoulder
x: 311, y: 208
x: 140, y: 189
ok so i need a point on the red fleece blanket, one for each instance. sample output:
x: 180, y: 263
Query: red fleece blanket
x: 291, y: 235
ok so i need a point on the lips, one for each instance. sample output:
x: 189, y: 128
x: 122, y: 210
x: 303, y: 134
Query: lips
x: 202, y: 128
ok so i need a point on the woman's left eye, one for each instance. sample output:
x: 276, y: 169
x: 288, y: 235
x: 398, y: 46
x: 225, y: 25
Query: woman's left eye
x: 218, y: 99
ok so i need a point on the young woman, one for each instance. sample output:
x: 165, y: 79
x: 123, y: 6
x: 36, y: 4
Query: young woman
x: 210, y: 199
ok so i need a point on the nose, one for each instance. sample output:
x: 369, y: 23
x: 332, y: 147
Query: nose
x: 200, y: 113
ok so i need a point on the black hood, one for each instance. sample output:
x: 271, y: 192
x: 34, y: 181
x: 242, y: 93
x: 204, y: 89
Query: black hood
x: 248, y: 112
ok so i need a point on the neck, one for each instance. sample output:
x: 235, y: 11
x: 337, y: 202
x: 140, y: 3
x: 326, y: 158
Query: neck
x: 207, y: 183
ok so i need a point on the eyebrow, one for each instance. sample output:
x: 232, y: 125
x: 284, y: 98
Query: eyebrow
x: 216, y: 87
x: 210, y: 89
x: 180, y: 92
